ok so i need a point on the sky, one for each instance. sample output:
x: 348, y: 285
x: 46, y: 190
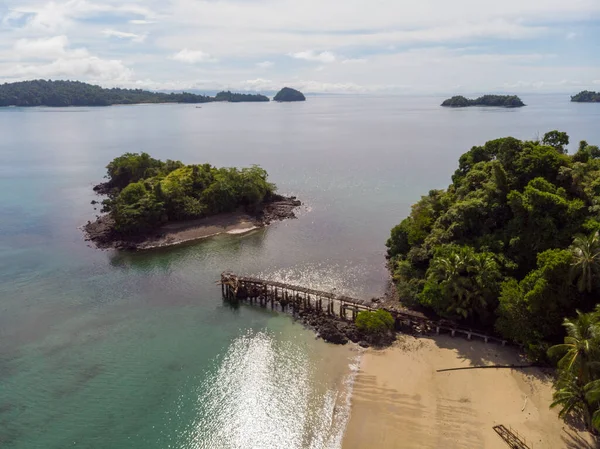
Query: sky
x: 328, y: 46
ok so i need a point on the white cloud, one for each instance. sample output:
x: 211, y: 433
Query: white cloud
x: 192, y: 56
x: 91, y: 68
x: 124, y: 35
x: 47, y: 48
x: 570, y: 36
x: 264, y: 64
x: 141, y: 22
x: 311, y: 55
x: 354, y: 61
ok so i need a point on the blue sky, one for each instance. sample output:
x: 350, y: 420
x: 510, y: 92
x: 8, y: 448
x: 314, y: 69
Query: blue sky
x: 340, y: 46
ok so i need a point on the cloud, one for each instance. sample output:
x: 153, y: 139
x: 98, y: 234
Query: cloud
x: 123, y: 35
x: 570, y: 36
x: 141, y: 22
x: 91, y: 68
x: 192, y: 56
x: 264, y: 64
x: 310, y: 55
x: 60, y: 60
x: 354, y: 61
x: 58, y: 14
x: 47, y: 48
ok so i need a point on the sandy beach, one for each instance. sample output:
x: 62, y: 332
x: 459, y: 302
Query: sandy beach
x: 174, y: 233
x: 400, y: 401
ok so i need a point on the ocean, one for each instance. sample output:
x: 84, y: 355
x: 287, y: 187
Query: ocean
x: 101, y: 349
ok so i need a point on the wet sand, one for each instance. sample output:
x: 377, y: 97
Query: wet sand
x: 174, y: 233
x: 400, y: 401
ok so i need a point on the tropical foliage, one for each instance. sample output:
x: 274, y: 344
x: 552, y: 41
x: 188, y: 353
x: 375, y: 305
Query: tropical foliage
x: 513, y: 245
x: 147, y: 192
x: 578, y: 358
x: 507, y: 101
x: 375, y: 325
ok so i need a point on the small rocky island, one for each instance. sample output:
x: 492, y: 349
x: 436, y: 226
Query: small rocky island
x: 586, y: 96
x: 503, y: 101
x: 288, y: 94
x: 152, y: 203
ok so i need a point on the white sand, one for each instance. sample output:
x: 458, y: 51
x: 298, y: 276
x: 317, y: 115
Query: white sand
x: 400, y: 401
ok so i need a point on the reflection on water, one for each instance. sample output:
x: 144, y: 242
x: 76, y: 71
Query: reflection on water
x: 269, y: 393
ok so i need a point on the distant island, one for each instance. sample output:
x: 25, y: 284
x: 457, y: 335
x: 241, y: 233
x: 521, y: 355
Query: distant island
x: 289, y: 94
x: 504, y: 101
x: 586, y: 96
x: 240, y: 98
x: 157, y: 203
x: 76, y: 93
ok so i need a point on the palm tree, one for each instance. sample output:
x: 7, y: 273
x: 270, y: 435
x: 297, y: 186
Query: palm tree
x: 570, y: 395
x: 592, y: 396
x: 586, y: 260
x: 467, y: 276
x: 580, y: 347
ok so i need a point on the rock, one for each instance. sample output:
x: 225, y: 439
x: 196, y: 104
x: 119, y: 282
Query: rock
x: 363, y: 344
x: 330, y: 333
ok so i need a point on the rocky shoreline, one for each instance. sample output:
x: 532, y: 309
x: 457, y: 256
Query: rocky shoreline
x: 103, y: 234
x: 335, y: 330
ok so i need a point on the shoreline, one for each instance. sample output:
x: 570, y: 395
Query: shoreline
x: 399, y: 400
x: 101, y: 231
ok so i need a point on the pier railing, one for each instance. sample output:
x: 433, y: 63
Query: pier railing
x: 296, y: 299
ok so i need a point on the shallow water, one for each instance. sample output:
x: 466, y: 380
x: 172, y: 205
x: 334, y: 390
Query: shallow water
x: 104, y: 349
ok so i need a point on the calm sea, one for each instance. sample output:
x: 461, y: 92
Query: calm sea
x: 112, y: 350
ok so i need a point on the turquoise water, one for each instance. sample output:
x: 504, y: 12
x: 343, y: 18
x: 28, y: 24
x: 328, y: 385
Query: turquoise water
x: 105, y: 349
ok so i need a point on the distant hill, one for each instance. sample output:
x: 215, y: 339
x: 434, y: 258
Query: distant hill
x: 586, y: 96
x: 289, y: 94
x: 76, y: 93
x: 505, y: 101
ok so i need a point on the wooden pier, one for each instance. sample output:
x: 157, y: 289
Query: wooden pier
x: 296, y: 299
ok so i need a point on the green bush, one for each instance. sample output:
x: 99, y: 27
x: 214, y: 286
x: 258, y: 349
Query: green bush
x: 376, y: 323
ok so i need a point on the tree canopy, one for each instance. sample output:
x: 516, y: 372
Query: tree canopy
x: 586, y: 96
x: 289, y: 94
x: 238, y: 98
x: 147, y: 192
x: 511, y: 245
x: 75, y: 93
x: 507, y: 101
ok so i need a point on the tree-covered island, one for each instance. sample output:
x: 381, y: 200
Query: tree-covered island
x: 513, y: 246
x: 505, y: 101
x: 288, y: 94
x: 145, y: 194
x: 75, y: 93
x: 586, y: 96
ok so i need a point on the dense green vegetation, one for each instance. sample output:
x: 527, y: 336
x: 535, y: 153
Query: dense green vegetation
x: 513, y: 245
x: 238, y: 98
x: 578, y: 358
x: 289, y: 94
x: 375, y: 325
x: 510, y: 245
x: 506, y: 101
x: 75, y: 93
x: 586, y: 96
x: 147, y: 192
